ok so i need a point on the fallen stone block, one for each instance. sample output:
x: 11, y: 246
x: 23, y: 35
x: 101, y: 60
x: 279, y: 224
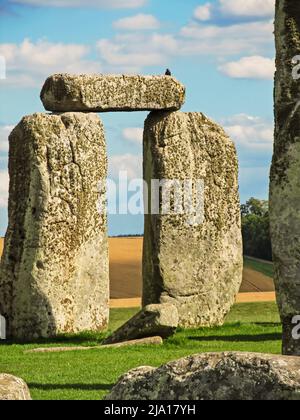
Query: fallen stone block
x: 13, y: 389
x: 54, y: 270
x: 103, y: 93
x: 213, y: 377
x: 192, y: 258
x: 153, y: 320
x: 151, y: 341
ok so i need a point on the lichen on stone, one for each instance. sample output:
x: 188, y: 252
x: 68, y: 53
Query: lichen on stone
x: 54, y: 270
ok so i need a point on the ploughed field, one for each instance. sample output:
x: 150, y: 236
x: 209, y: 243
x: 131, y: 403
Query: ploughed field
x: 126, y: 272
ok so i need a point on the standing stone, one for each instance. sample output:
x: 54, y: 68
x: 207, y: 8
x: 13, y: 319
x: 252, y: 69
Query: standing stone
x: 54, y: 270
x: 285, y: 172
x: 102, y: 93
x: 197, y: 267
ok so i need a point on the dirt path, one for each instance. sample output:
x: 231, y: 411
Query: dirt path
x: 253, y: 282
x: 241, y: 298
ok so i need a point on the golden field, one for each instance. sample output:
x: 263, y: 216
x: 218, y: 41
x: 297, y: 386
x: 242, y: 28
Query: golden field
x: 1, y: 245
x: 126, y: 275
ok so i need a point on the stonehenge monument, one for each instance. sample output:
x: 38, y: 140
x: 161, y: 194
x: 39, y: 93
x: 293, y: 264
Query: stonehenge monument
x: 285, y: 171
x: 63, y: 93
x: 54, y: 271
x: 197, y: 268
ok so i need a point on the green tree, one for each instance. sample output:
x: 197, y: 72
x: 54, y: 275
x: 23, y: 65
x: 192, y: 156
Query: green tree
x: 256, y: 229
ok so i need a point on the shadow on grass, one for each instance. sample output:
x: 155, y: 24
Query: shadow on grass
x: 268, y: 324
x: 79, y: 387
x: 239, y: 338
x: 86, y: 338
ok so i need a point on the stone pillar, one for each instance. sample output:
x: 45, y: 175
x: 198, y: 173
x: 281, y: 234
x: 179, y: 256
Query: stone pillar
x: 54, y: 271
x: 285, y: 172
x: 198, y: 268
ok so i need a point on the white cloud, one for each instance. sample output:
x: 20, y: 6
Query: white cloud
x: 133, y: 134
x: 255, y: 67
x: 102, y: 4
x: 135, y: 51
x: 137, y: 23
x: 252, y: 8
x: 5, y: 131
x: 4, y: 186
x: 203, y: 13
x: 29, y: 63
x: 132, y: 164
x: 251, y: 133
x: 236, y: 9
x: 222, y: 41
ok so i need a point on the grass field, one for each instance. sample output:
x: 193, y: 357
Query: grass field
x: 260, y: 266
x: 90, y: 374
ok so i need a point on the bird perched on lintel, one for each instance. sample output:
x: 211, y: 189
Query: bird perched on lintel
x: 168, y: 72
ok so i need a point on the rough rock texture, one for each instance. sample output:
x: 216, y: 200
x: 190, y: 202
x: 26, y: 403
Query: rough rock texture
x: 214, y: 376
x: 150, y: 341
x: 196, y: 267
x: 102, y: 93
x: 285, y: 172
x: 13, y: 389
x: 153, y: 320
x: 54, y: 270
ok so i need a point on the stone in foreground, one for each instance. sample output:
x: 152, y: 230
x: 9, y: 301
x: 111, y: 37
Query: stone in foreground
x: 54, y: 269
x: 192, y: 259
x: 285, y: 173
x: 214, y: 377
x: 103, y: 93
x: 153, y: 320
x: 13, y: 389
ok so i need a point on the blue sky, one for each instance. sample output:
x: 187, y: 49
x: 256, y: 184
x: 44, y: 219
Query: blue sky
x: 221, y: 50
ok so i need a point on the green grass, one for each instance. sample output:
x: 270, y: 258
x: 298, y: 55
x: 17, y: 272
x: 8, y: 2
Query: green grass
x: 260, y: 266
x: 90, y: 374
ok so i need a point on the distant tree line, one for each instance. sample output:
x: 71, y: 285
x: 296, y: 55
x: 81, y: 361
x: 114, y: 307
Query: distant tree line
x: 137, y: 235
x: 256, y: 229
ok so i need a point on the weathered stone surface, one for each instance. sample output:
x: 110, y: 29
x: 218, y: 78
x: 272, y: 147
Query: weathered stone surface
x: 196, y: 267
x: 285, y: 172
x: 54, y: 270
x: 153, y: 320
x: 223, y: 376
x: 102, y: 93
x: 150, y: 341
x: 13, y: 389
